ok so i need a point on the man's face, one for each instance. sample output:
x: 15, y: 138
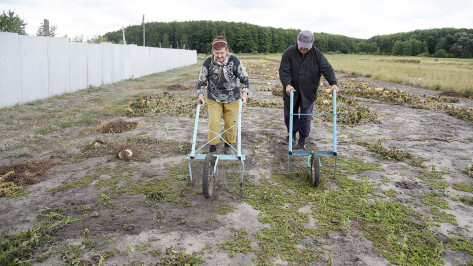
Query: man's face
x: 302, y: 49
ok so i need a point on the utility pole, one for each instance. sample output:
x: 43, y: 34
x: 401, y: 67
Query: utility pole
x: 46, y: 27
x: 144, y: 42
x: 123, y: 31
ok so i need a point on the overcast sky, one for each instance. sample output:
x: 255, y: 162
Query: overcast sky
x: 353, y: 18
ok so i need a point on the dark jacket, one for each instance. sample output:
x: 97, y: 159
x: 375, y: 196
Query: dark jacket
x: 304, y: 73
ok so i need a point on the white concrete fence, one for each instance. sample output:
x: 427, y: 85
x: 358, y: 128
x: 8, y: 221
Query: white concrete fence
x: 33, y: 68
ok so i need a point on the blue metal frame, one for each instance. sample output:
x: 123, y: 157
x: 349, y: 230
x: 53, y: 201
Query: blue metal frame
x: 306, y: 152
x: 224, y: 157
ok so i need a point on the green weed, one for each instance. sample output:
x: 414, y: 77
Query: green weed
x: 442, y: 216
x: 461, y: 186
x: 384, y: 153
x: 173, y: 257
x: 467, y: 200
x: 16, y: 248
x: 461, y: 244
x: 223, y: 210
x: 434, y: 199
x: 344, y: 209
x: 240, y: 243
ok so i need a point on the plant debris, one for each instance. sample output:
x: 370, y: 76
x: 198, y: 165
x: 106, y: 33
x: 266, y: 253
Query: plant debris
x: 469, y: 170
x: 177, y: 86
x: 118, y: 126
x: 456, y: 94
x: 166, y: 104
x: 361, y: 89
x: 26, y: 173
x: 7, y: 188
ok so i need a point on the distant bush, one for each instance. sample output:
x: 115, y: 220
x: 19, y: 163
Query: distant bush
x: 442, y: 54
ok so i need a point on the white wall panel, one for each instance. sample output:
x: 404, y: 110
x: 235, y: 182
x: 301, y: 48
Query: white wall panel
x: 77, y: 66
x: 134, y: 63
x: 107, y: 63
x: 34, y: 68
x: 94, y: 65
x: 10, y: 69
x: 58, y: 66
x: 126, y: 60
x: 117, y: 72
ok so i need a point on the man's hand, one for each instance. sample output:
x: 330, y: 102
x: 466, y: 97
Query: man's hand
x: 243, y: 98
x: 335, y: 87
x: 201, y: 100
x: 289, y: 88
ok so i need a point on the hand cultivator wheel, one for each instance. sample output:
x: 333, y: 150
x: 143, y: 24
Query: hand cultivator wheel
x: 208, y: 177
x: 210, y: 171
x: 313, y: 160
x: 315, y: 169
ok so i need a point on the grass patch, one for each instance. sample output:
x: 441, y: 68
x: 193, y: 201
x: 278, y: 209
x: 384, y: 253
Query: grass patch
x: 224, y: 210
x: 461, y: 186
x: 240, y: 243
x: 450, y: 74
x: 461, y: 244
x: 417, y: 162
x: 467, y: 200
x: 82, y: 182
x: 434, y: 199
x: 358, y: 165
x: 399, y: 233
x: 442, y: 216
x: 174, y: 257
x: 17, y: 249
x: 385, y: 153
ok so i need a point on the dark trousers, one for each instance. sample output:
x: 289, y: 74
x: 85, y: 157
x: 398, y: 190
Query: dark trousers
x: 301, y: 123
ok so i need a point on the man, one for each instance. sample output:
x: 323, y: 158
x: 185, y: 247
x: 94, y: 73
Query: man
x: 300, y: 70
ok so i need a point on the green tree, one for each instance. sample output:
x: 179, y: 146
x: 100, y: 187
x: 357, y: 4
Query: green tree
x: 463, y: 47
x: 441, y: 53
x: 166, y: 42
x: 398, y: 48
x: 77, y: 38
x: 264, y: 40
x: 95, y: 39
x: 11, y: 22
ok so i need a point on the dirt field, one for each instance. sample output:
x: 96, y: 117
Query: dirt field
x: 402, y: 193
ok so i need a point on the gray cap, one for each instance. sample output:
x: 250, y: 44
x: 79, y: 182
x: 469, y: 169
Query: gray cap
x: 305, y: 38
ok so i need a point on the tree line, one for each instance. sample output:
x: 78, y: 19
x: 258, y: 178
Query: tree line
x: 249, y: 38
